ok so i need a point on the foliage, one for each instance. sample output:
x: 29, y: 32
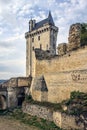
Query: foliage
x: 77, y: 104
x: 75, y: 94
x: 84, y: 34
x: 28, y: 98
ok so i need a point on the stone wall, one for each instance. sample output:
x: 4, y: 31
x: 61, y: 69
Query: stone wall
x: 14, y: 94
x: 17, y: 82
x: 61, y: 84
x: 67, y: 122
x: 62, y: 76
x: 39, y: 111
x: 75, y: 60
x: 39, y: 89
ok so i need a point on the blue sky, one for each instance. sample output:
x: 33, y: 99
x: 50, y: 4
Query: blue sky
x: 14, y: 18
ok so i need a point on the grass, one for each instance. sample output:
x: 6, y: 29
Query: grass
x: 33, y: 120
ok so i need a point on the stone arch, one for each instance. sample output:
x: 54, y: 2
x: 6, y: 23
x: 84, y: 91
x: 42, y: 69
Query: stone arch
x: 3, y: 104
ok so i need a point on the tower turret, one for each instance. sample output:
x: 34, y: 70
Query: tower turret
x: 31, y: 24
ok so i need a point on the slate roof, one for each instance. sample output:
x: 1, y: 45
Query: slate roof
x: 48, y: 20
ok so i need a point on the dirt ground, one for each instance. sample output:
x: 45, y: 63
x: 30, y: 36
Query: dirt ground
x: 6, y: 123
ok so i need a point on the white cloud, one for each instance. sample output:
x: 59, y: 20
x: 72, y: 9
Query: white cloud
x: 14, y: 18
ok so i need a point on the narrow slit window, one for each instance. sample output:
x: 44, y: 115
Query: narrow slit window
x: 47, y: 46
x: 39, y: 38
x: 40, y: 46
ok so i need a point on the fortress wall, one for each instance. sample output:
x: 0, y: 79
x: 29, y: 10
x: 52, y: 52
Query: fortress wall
x: 61, y: 84
x: 75, y: 60
x: 64, y: 74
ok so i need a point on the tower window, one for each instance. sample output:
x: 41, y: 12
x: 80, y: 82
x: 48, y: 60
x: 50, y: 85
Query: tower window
x: 33, y: 39
x: 40, y: 46
x: 39, y: 38
x: 33, y: 48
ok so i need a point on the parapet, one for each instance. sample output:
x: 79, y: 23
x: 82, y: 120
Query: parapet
x: 42, y: 55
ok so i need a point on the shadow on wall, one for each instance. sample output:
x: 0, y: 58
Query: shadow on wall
x: 3, y: 104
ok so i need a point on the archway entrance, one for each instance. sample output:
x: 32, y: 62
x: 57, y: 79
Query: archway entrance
x: 21, y: 98
x: 3, y: 105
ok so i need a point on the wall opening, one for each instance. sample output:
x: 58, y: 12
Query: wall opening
x: 21, y: 98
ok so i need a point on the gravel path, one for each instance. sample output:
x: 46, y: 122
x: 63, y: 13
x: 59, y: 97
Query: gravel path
x: 6, y: 123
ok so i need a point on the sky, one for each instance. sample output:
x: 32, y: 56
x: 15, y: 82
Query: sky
x: 14, y: 19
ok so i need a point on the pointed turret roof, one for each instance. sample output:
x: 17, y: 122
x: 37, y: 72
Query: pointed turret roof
x: 48, y: 20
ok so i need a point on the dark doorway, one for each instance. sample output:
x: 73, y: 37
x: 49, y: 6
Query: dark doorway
x: 21, y: 98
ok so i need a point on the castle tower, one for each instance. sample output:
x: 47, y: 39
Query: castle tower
x: 41, y: 35
x: 74, y: 40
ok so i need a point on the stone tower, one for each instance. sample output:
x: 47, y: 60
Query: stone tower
x: 74, y: 39
x: 41, y: 35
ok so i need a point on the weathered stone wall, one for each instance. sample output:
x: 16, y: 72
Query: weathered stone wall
x: 62, y: 76
x: 39, y: 89
x: 13, y: 96
x: 39, y: 111
x: 67, y: 122
x: 62, y: 120
x: 62, y: 49
x: 17, y: 82
x: 14, y: 90
x: 61, y: 84
x: 23, y: 81
x: 75, y: 60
